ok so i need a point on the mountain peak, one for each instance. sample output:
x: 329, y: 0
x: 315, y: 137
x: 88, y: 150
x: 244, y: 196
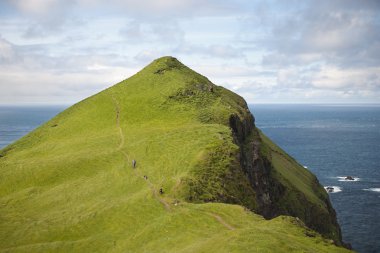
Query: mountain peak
x: 163, y: 64
x: 166, y: 59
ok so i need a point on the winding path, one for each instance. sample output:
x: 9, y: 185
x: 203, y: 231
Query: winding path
x: 154, y: 191
x: 136, y: 171
x: 221, y: 221
x: 117, y: 109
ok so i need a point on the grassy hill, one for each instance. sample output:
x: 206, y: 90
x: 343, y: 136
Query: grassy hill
x: 69, y: 186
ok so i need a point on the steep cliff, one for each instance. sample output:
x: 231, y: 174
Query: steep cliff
x: 270, y: 182
x: 282, y: 186
x: 70, y: 186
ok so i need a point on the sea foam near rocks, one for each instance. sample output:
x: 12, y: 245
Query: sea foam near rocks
x: 335, y: 189
x: 344, y: 179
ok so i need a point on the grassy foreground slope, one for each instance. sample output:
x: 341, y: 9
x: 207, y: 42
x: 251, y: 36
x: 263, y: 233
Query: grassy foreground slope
x: 69, y: 185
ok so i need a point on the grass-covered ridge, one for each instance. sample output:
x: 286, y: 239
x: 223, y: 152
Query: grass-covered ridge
x: 69, y: 185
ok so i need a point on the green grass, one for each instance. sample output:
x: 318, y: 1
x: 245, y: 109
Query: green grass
x: 69, y: 186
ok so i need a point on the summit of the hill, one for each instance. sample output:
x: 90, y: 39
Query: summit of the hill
x: 162, y: 64
x: 168, y: 60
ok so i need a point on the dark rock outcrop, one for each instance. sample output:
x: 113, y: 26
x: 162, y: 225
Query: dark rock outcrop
x: 274, y: 194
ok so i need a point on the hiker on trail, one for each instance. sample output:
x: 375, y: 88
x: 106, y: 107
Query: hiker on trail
x: 134, y: 163
x: 161, y: 191
x: 145, y: 177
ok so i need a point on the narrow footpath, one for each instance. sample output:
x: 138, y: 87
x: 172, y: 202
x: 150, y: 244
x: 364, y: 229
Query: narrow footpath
x: 127, y: 159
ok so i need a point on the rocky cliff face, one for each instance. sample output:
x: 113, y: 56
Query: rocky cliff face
x: 275, y: 194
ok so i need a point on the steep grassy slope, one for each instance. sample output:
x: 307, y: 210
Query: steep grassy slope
x: 284, y: 187
x: 69, y: 185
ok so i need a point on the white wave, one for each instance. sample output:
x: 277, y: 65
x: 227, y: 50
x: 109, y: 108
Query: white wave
x: 305, y: 167
x: 372, y: 189
x: 335, y: 189
x: 344, y: 179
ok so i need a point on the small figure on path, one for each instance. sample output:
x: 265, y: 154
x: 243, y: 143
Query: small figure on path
x: 161, y: 191
x: 134, y: 163
x: 145, y: 177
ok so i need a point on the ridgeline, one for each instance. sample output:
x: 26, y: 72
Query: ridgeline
x: 205, y: 179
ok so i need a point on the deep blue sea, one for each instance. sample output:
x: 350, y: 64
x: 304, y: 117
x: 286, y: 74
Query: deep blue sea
x: 332, y: 141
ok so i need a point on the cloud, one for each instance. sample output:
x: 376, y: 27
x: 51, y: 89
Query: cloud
x: 342, y: 33
x: 213, y: 50
x: 45, y: 17
x: 292, y: 77
x: 318, y: 47
x: 50, y: 17
x: 164, y: 31
x: 264, y: 50
x: 29, y: 74
x: 37, y: 7
x: 50, y: 86
x: 229, y: 71
x: 136, y: 9
x: 147, y: 55
x: 7, y: 52
x: 330, y: 77
x: 150, y: 10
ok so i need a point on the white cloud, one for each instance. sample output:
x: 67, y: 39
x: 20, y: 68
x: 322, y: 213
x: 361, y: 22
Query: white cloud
x: 330, y: 77
x: 7, y: 53
x: 266, y: 51
x: 50, y: 87
x: 147, y: 55
x: 36, y: 7
x: 225, y: 51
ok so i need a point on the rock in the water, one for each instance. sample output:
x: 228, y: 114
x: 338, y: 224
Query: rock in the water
x: 349, y: 178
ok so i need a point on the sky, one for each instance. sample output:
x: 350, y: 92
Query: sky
x: 309, y: 51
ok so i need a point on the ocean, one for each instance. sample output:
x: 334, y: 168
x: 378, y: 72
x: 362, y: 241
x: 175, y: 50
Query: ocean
x: 17, y: 121
x: 333, y: 141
